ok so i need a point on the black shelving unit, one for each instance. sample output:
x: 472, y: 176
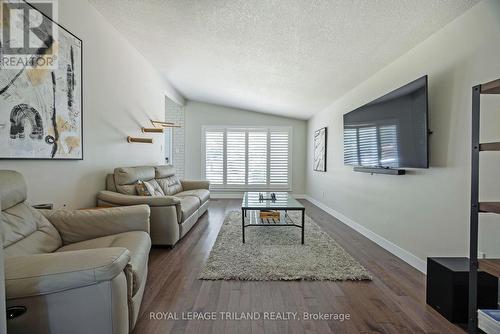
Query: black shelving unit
x: 491, y: 266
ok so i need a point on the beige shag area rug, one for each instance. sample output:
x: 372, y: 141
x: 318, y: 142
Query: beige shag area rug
x: 275, y: 253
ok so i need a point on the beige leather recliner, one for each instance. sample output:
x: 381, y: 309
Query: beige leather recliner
x: 75, y: 272
x: 172, y: 215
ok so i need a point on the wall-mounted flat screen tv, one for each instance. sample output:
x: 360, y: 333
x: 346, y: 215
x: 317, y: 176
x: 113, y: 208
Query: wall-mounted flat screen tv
x: 390, y: 132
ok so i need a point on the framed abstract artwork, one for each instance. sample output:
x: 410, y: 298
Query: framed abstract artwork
x: 41, y: 92
x: 320, y: 141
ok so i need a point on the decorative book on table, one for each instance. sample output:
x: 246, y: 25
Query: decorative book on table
x: 269, y: 214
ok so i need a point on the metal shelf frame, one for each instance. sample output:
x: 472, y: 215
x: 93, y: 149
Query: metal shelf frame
x: 476, y: 207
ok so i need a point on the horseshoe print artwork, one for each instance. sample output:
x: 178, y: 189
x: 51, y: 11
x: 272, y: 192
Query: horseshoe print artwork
x: 41, y: 107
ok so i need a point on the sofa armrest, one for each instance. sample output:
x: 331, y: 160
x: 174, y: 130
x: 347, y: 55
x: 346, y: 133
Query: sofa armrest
x: 123, y: 199
x: 80, y: 225
x: 41, y: 274
x: 195, y: 184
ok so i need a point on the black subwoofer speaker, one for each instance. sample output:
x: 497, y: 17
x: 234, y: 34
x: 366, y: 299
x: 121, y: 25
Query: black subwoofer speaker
x: 448, y: 288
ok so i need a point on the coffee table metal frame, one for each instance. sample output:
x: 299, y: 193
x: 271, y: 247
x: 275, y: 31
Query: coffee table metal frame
x: 285, y: 220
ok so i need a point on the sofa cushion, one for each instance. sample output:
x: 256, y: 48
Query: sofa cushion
x: 202, y: 194
x: 26, y: 231
x: 164, y: 171
x: 189, y: 205
x: 110, y: 183
x: 170, y: 185
x: 13, y: 190
x: 40, y: 274
x: 137, y: 242
x: 127, y: 177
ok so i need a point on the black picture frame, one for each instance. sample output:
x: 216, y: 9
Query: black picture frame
x: 82, y: 138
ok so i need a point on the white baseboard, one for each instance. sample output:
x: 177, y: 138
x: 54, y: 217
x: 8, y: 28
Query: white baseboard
x: 404, y: 255
x: 218, y: 195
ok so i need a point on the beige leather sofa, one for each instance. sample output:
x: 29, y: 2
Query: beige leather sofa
x: 75, y: 272
x: 172, y: 214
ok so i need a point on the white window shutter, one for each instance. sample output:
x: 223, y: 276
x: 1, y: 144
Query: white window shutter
x: 257, y: 158
x: 214, y: 157
x: 236, y: 157
x: 278, y: 158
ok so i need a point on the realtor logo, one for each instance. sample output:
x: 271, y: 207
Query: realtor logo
x: 28, y: 35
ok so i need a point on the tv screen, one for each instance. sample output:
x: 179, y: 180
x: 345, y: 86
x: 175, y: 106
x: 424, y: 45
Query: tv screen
x: 390, y: 132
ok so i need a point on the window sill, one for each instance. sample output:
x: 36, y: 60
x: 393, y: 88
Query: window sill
x: 228, y: 190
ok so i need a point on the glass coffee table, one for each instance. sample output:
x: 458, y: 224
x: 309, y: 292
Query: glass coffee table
x: 252, y: 205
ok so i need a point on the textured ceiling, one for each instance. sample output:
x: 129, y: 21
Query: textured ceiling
x: 285, y: 57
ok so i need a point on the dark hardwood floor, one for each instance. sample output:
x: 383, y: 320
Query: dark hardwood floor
x: 394, y: 302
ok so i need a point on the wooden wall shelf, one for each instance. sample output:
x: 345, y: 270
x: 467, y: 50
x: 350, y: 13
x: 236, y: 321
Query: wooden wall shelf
x: 152, y: 130
x: 490, y: 207
x: 159, y: 127
x: 489, y: 146
x: 140, y: 140
x: 164, y: 124
x: 492, y: 87
x: 491, y: 266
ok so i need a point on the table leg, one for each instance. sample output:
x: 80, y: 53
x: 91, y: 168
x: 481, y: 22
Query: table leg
x: 303, y: 225
x: 243, y: 214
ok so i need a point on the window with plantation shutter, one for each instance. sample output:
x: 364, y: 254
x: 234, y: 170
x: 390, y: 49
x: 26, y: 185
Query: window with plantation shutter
x: 247, y: 158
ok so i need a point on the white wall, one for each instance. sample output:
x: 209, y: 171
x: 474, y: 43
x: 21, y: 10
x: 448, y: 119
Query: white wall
x: 199, y: 114
x: 121, y: 93
x: 427, y: 211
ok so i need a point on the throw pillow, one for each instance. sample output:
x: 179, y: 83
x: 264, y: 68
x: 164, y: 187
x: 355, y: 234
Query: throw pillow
x: 154, y: 188
x: 141, y: 188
